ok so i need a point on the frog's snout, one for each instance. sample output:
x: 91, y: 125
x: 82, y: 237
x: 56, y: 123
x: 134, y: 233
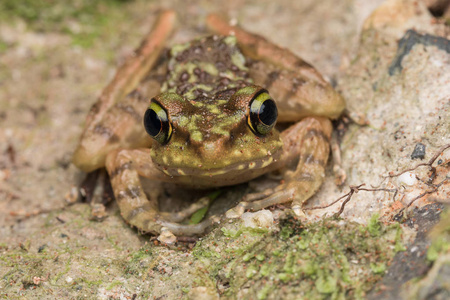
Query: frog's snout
x: 211, y: 150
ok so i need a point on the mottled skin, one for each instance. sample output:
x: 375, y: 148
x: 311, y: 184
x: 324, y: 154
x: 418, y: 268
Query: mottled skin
x: 205, y: 87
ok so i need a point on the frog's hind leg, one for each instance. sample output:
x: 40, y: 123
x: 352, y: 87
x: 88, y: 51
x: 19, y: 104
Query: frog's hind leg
x: 297, y: 87
x: 114, y: 119
x: 124, y: 168
x: 97, y: 191
x: 308, y: 140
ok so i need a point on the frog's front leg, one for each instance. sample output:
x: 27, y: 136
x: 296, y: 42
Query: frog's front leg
x: 124, y: 168
x: 309, y: 140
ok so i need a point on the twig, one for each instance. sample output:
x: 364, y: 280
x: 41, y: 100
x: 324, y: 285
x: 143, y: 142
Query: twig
x: 432, y: 177
x: 353, y: 189
x: 26, y: 215
x: 429, y: 163
x: 435, y: 188
x: 327, y: 205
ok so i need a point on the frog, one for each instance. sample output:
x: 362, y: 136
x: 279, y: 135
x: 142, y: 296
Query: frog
x: 203, y: 115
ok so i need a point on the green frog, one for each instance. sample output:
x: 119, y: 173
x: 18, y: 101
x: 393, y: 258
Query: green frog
x: 203, y: 115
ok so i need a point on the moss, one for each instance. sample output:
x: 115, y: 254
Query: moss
x: 247, y: 257
x: 260, y: 257
x: 264, y: 292
x: 398, y: 238
x: 236, y: 233
x: 284, y: 277
x: 113, y: 243
x: 137, y: 261
x: 265, y: 270
x: 440, y: 237
x: 252, y: 270
x: 90, y: 283
x: 439, y: 245
x: 326, y: 283
x: 378, y: 268
x: 289, y: 264
x: 374, y: 225
x: 286, y: 232
x: 113, y: 284
x: 66, y: 269
x: 327, y: 259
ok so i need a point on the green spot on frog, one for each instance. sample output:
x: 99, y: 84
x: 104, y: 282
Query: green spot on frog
x: 197, y: 136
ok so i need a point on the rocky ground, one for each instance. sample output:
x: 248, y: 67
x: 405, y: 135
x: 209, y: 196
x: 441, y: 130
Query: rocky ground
x: 391, y: 62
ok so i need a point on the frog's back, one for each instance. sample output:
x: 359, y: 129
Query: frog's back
x: 207, y: 69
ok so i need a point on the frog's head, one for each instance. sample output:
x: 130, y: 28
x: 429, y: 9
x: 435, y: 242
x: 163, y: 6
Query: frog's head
x: 233, y: 132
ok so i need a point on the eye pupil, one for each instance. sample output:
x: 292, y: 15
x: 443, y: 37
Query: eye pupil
x: 268, y: 112
x: 152, y: 123
x: 156, y: 123
x: 263, y: 113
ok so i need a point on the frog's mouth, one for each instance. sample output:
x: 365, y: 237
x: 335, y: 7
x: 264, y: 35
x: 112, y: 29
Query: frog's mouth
x: 223, y: 158
x: 242, y: 167
x: 203, y: 176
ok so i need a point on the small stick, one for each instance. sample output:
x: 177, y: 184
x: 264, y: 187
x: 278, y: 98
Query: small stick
x: 353, y: 189
x: 435, y: 188
x: 429, y: 163
x: 335, y: 201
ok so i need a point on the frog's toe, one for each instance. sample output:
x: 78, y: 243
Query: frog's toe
x: 166, y: 236
x: 339, y: 175
x: 298, y: 211
x: 269, y: 197
x: 236, y: 211
x: 179, y: 216
x: 98, y: 212
x: 258, y: 196
x: 191, y: 229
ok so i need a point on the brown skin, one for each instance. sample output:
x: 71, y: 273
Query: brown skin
x: 213, y: 142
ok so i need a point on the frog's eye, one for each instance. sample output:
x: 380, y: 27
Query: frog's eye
x: 156, y: 123
x: 263, y: 113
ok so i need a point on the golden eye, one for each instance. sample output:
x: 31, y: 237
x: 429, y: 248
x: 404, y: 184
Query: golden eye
x: 263, y: 113
x: 156, y: 123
